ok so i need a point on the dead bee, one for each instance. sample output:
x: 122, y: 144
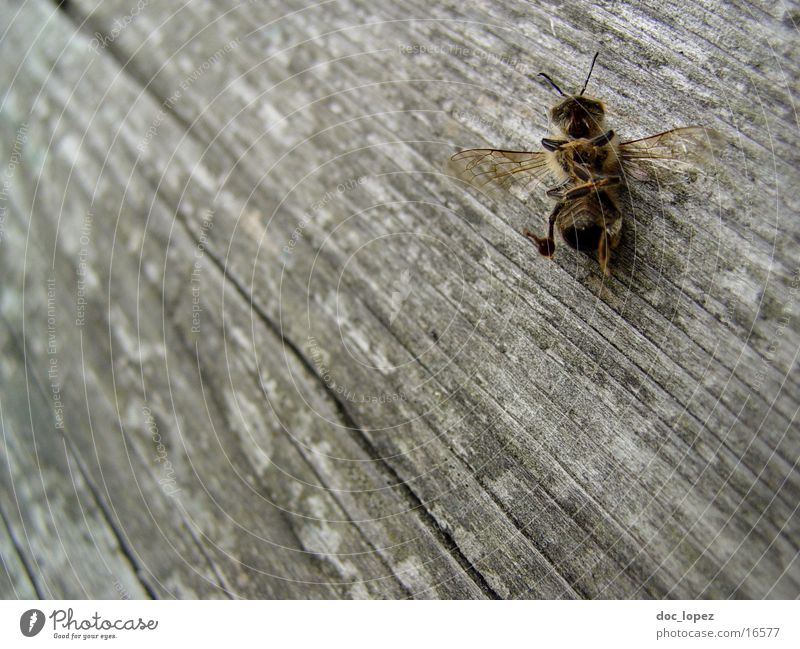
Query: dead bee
x: 589, y: 164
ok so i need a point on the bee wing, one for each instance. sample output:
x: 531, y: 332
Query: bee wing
x: 490, y: 168
x: 683, y: 150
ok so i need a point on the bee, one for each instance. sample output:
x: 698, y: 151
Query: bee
x: 589, y: 165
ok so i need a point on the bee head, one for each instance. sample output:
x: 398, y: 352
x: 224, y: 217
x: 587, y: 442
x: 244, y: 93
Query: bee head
x: 579, y: 116
x: 576, y: 115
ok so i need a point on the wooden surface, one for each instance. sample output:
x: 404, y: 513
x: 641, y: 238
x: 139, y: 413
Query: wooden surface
x: 257, y: 344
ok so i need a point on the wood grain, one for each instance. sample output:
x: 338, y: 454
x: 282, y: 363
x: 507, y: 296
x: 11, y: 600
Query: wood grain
x: 295, y: 359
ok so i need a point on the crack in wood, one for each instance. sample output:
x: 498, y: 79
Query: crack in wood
x: 23, y: 559
x: 357, y: 432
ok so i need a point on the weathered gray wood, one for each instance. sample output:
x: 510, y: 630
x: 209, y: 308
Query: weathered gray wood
x: 558, y: 435
x: 17, y: 581
x: 48, y: 506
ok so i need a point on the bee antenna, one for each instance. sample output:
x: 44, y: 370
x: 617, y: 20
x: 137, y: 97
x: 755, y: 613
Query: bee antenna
x: 588, y: 76
x: 551, y: 82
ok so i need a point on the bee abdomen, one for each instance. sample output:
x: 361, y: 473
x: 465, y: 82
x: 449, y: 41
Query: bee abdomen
x: 583, y: 238
x: 582, y: 228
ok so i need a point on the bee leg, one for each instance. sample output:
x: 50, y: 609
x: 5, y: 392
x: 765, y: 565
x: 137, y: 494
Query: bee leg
x: 589, y: 187
x: 552, y: 145
x: 586, y: 175
x: 603, y: 139
x: 582, y: 172
x: 558, y: 190
x: 603, y: 253
x: 546, y: 245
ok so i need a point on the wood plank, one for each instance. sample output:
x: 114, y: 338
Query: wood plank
x: 17, y: 580
x: 316, y: 522
x: 48, y: 506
